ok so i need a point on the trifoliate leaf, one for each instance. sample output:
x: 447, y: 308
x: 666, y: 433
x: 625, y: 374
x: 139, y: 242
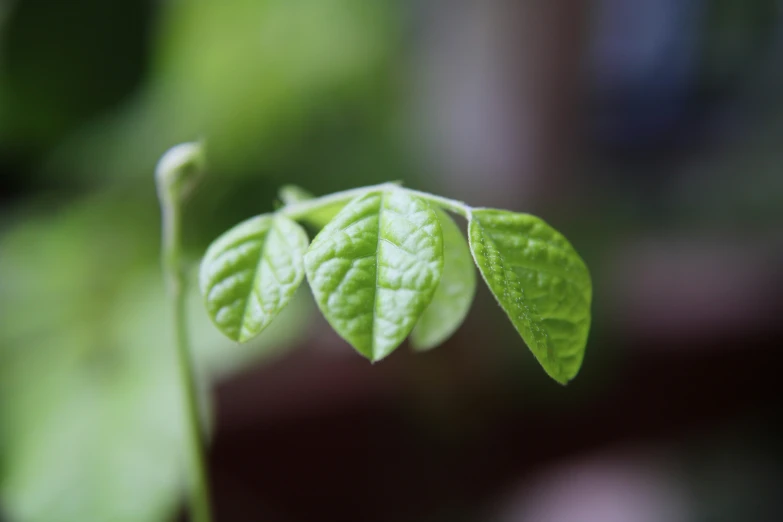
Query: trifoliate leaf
x: 251, y: 272
x: 541, y: 283
x: 455, y: 293
x: 375, y: 268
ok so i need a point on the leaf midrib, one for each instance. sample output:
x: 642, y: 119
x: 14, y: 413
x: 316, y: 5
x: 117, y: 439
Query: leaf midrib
x: 254, y: 280
x: 485, y: 238
x: 378, y: 241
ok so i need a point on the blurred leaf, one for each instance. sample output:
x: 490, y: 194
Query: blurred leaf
x: 252, y: 77
x: 90, y: 425
x: 249, y: 72
x: 455, y: 292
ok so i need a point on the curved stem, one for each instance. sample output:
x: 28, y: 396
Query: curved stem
x: 176, y: 285
x: 452, y: 205
x: 301, y: 209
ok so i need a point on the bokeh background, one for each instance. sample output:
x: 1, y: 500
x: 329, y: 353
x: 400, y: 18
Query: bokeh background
x: 650, y: 132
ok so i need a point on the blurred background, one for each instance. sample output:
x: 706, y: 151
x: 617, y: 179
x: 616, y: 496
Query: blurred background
x: 650, y: 132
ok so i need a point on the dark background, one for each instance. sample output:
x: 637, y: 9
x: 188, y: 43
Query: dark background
x: 650, y: 132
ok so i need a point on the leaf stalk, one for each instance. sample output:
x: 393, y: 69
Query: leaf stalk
x: 301, y: 209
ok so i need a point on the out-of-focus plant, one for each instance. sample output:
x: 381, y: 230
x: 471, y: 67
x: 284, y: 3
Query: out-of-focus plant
x: 90, y: 415
x: 260, y: 78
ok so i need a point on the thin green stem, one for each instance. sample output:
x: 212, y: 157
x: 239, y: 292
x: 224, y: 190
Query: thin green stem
x: 177, y: 288
x: 300, y: 210
x: 297, y: 211
x: 172, y: 178
x: 452, y: 205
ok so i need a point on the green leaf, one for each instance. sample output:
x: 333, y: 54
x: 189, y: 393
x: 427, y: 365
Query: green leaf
x: 541, y: 283
x: 455, y: 292
x: 251, y: 272
x: 375, y: 268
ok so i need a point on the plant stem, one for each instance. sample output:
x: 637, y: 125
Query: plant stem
x: 175, y: 275
x: 301, y: 209
x: 452, y: 205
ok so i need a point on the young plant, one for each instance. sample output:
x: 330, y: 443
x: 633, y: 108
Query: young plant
x: 389, y: 262
x: 177, y: 173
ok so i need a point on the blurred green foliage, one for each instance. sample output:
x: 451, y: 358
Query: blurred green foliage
x: 91, y: 93
x: 90, y: 425
x: 259, y: 80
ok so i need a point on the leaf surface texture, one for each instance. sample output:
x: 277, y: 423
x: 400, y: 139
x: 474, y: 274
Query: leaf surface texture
x: 375, y: 268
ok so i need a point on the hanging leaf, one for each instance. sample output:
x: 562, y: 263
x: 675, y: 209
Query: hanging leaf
x: 540, y: 282
x: 455, y: 293
x: 375, y: 268
x: 251, y: 272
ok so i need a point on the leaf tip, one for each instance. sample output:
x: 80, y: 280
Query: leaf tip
x: 242, y: 338
x: 374, y: 358
x: 564, y: 377
x: 420, y: 345
x: 378, y: 353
